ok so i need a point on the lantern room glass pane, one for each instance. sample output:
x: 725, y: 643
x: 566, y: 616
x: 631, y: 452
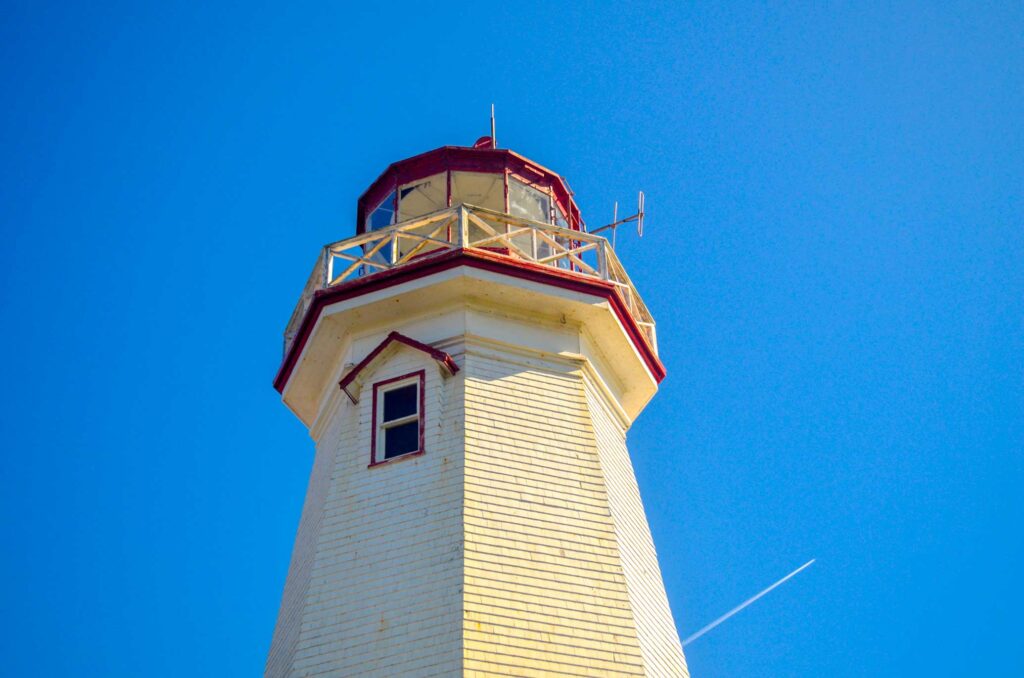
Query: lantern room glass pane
x: 560, y: 219
x: 423, y: 197
x: 528, y: 202
x: 384, y: 215
x: 479, y: 189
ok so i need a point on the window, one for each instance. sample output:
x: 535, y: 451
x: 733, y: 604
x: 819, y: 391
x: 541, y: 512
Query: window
x: 397, y: 418
x: 423, y: 197
x: 560, y: 218
x: 383, y: 215
x: 527, y: 201
x: 480, y: 189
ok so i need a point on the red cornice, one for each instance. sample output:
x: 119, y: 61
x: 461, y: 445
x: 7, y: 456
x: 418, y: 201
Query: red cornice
x: 440, y: 356
x: 472, y: 258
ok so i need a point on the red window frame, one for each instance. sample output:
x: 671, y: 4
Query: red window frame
x: 421, y: 375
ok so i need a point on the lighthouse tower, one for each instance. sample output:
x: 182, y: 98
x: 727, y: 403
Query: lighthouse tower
x: 468, y: 364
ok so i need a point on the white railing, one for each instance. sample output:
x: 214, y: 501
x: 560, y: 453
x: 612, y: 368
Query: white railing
x: 466, y: 227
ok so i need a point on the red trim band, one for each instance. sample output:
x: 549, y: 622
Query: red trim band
x: 473, y: 258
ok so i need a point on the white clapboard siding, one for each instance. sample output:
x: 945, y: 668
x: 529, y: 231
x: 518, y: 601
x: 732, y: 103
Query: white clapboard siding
x: 377, y: 588
x: 515, y: 546
x: 289, y: 620
x: 545, y: 591
x: 659, y: 640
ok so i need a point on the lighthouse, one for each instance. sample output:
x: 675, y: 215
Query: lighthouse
x: 468, y: 364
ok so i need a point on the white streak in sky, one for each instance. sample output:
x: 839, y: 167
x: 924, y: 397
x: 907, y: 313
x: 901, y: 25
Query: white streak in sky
x: 747, y: 602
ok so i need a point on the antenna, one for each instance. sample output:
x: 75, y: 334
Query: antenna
x: 616, y: 222
x: 615, y: 219
x: 640, y: 215
x: 494, y: 139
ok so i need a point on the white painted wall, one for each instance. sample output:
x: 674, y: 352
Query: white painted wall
x: 516, y: 545
x: 289, y: 620
x: 376, y: 590
x: 659, y: 640
x: 545, y: 591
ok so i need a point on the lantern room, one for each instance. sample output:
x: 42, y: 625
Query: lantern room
x: 460, y: 222
x: 481, y: 175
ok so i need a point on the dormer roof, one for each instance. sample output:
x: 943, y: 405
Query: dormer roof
x: 351, y: 382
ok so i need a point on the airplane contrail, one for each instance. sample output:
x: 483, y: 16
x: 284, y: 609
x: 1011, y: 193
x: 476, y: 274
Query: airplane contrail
x: 747, y: 602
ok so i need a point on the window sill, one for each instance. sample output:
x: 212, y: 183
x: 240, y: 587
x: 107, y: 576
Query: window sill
x: 392, y: 460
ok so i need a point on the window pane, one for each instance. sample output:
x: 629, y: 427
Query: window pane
x: 423, y: 197
x: 526, y: 201
x: 560, y: 219
x: 480, y: 189
x: 384, y: 215
x: 401, y: 439
x: 400, y: 402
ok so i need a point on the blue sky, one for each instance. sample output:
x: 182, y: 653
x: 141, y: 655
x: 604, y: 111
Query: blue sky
x: 833, y: 253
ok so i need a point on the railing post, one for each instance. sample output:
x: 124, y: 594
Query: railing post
x: 602, y: 260
x: 394, y: 248
x: 325, y: 267
x: 463, y: 227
